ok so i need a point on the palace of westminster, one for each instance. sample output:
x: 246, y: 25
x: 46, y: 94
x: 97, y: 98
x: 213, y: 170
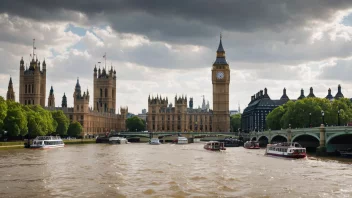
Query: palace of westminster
x: 102, y: 118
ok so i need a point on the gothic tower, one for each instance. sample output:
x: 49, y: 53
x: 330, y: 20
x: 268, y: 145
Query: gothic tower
x: 104, y: 90
x: 81, y: 101
x: 32, y: 82
x: 64, y: 101
x: 10, y: 93
x: 221, y: 83
x: 51, y: 98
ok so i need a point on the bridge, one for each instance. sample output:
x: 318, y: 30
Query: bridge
x: 330, y: 138
x: 161, y: 135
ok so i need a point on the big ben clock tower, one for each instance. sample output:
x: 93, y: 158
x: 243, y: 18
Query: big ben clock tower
x: 221, y: 82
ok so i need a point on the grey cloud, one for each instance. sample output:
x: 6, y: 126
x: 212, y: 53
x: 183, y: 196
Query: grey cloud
x: 185, y: 18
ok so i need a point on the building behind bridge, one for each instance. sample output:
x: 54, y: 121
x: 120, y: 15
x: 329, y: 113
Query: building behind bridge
x: 254, y: 115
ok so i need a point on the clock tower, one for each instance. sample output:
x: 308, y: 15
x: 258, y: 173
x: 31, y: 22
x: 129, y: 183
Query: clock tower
x: 221, y: 81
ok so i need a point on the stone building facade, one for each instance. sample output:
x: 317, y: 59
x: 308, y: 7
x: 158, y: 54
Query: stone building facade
x: 254, y: 115
x: 101, y: 118
x: 163, y: 116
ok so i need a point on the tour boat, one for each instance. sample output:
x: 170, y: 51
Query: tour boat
x: 47, y: 142
x: 286, y: 149
x: 251, y: 145
x: 346, y: 153
x: 182, y: 140
x: 154, y: 141
x: 231, y: 142
x: 214, y: 146
x: 118, y: 140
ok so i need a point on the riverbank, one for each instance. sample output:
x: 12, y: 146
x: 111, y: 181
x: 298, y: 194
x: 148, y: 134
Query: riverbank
x: 20, y: 144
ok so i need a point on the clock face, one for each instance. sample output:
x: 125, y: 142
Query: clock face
x: 220, y: 75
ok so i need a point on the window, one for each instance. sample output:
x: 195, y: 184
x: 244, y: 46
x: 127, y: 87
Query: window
x: 32, y: 88
x: 101, y: 92
x: 29, y: 102
x: 81, y: 107
x: 25, y: 90
x: 77, y: 107
x: 25, y: 102
x: 106, y: 93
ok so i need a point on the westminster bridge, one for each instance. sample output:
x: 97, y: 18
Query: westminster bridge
x: 332, y: 138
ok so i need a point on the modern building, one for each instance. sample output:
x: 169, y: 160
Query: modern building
x: 254, y: 115
x: 143, y: 115
x: 100, y: 119
x: 163, y: 116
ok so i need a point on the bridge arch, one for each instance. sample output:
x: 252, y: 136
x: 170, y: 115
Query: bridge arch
x: 279, y: 138
x: 254, y: 139
x: 309, y: 134
x: 310, y: 141
x: 339, y: 141
x: 263, y: 140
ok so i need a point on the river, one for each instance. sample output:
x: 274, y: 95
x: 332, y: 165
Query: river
x: 168, y: 170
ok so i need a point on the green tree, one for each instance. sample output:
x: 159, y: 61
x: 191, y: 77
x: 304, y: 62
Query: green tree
x: 273, y: 119
x: 62, y: 122
x: 3, y: 112
x: 235, y: 122
x: 74, y: 129
x: 16, y: 121
x: 134, y: 123
x: 40, y: 121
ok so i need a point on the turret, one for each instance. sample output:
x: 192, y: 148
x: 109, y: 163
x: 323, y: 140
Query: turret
x: 329, y: 96
x: 10, y: 93
x: 95, y: 72
x: 284, y: 95
x: 51, y: 98
x: 311, y: 94
x: 302, y: 95
x: 339, y: 93
x: 64, y: 101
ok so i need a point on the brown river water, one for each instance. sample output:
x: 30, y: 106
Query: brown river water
x: 168, y: 170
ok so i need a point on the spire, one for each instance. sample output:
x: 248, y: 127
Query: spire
x: 51, y: 91
x: 302, y: 95
x: 220, y: 48
x: 311, y: 94
x: 220, y: 54
x: 284, y: 96
x: 64, y: 101
x: 10, y: 82
x: 339, y: 93
x: 329, y: 96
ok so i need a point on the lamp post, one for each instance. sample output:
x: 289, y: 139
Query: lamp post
x: 338, y: 118
x: 310, y: 120
x: 322, y: 115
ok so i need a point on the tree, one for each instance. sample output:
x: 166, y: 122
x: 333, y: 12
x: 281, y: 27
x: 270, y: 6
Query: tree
x: 235, y: 122
x: 3, y: 111
x: 135, y: 123
x: 74, y: 129
x: 62, y: 122
x: 308, y: 111
x: 16, y: 121
x: 40, y: 121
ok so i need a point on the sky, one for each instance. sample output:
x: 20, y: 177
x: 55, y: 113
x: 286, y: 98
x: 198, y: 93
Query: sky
x: 168, y: 47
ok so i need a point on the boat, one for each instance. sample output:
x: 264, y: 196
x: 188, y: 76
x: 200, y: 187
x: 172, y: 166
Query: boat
x: 251, y: 145
x: 231, y: 142
x: 346, y: 153
x: 118, y: 140
x: 154, y: 141
x: 47, y: 142
x: 214, y: 146
x: 286, y: 149
x: 182, y: 140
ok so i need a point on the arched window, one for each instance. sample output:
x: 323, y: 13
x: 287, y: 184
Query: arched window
x: 81, y: 107
x: 25, y: 89
x: 105, y: 107
x: 25, y: 102
x: 29, y: 88
x: 32, y: 88
x: 106, y: 92
x: 101, y: 92
x: 77, y: 107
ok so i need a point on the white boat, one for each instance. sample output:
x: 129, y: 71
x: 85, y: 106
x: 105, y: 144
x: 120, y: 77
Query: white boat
x: 154, y: 141
x: 118, y: 140
x: 214, y: 146
x: 47, y: 142
x: 286, y: 149
x: 182, y: 140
